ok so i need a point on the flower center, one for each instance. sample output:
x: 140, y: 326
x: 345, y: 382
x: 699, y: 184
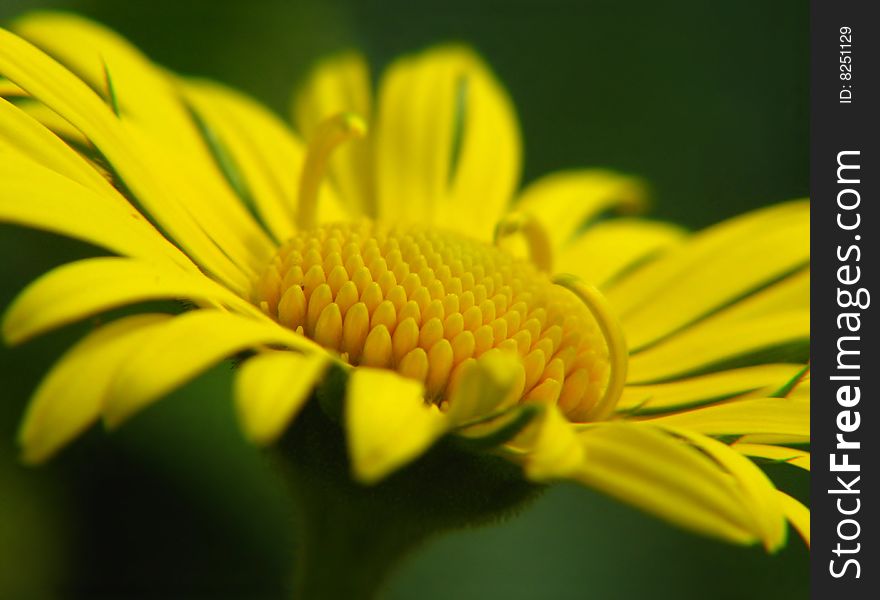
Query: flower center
x: 424, y: 303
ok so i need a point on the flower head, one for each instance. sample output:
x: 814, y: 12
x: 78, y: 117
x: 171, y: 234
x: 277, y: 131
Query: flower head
x: 386, y: 239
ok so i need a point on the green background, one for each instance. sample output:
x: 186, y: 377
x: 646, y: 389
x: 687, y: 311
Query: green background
x: 707, y: 101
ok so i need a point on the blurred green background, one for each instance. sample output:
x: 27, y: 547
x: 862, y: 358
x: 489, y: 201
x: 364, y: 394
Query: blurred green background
x: 707, y: 101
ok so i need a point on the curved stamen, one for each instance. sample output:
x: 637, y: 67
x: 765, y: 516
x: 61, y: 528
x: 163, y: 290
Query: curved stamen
x: 540, y: 250
x: 618, y: 355
x: 327, y: 136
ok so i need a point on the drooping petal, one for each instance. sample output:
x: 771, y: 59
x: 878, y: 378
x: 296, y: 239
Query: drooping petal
x: 71, y: 396
x: 146, y: 99
x: 447, y: 142
x: 271, y: 388
x: 704, y: 389
x: 269, y: 156
x: 757, y: 491
x: 52, y: 121
x: 184, y: 347
x: 20, y: 133
x: 667, y: 477
x: 563, y: 202
x: 61, y: 205
x: 339, y: 84
x: 608, y: 249
x: 387, y: 422
x: 83, y: 288
x: 135, y: 162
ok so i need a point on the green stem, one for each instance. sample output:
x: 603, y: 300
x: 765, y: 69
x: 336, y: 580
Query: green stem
x: 352, y: 536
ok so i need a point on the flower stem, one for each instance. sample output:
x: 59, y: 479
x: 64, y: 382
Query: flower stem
x: 352, y: 536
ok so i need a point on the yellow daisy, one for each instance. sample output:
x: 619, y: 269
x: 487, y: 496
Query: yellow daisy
x: 387, y: 241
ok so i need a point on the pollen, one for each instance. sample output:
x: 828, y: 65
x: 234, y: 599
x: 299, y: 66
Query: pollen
x: 427, y: 303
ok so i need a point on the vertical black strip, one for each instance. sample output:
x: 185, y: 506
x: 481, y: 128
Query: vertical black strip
x: 845, y: 183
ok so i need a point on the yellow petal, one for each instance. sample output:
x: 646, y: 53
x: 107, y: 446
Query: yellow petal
x: 774, y: 439
x: 388, y: 422
x: 271, y: 388
x: 564, y: 201
x: 715, y: 341
x: 608, y: 249
x: 60, y: 205
x: 336, y: 85
x: 797, y: 514
x: 486, y: 387
x: 71, y: 396
x: 10, y: 90
x: 716, y: 267
x: 71, y: 98
x: 792, y: 292
x: 757, y: 492
x: 500, y: 429
x: 83, y: 288
x: 716, y: 274
x: 548, y: 447
x: 268, y: 154
x: 183, y: 348
x: 53, y: 122
x: 798, y: 458
x: 447, y: 142
x: 667, y: 477
x: 761, y: 380
x: 19, y: 132
x: 776, y: 416
x: 146, y: 99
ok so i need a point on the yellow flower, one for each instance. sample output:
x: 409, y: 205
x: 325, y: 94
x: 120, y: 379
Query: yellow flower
x: 394, y: 246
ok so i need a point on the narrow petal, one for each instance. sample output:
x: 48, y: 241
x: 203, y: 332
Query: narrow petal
x: 447, y: 142
x: 667, y: 477
x: 563, y: 202
x: 19, y: 132
x: 80, y: 289
x: 716, y: 275
x: 388, y: 422
x: 797, y: 514
x: 774, y: 439
x: 775, y: 416
x: 10, y: 90
x: 606, y: 250
x: 342, y: 84
x: 716, y: 341
x: 792, y: 292
x: 71, y: 396
x: 62, y: 206
x: 271, y: 388
x: 183, y: 348
x: 145, y: 98
x: 52, y: 121
x: 758, y: 494
x: 798, y: 458
x: 761, y: 380
x: 737, y: 238
x: 268, y: 154
x: 52, y: 84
